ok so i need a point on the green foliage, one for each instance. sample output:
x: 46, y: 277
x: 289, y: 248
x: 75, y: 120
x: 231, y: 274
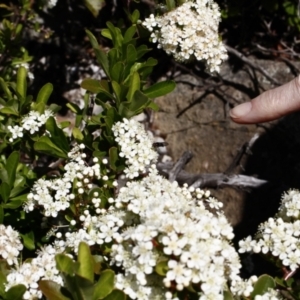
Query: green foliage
x: 291, y: 10
x: 15, y: 293
x: 79, y: 278
x: 262, y: 285
x: 126, y: 87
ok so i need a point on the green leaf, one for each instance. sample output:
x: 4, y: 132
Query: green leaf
x: 170, y: 4
x: 65, y: 264
x: 94, y: 6
x: 74, y: 108
x: 106, y: 33
x: 54, y: 108
x: 22, y: 82
x: 11, y: 108
x: 116, y: 295
x: 139, y: 102
x: 85, y: 287
x: 16, y: 292
x: 77, y: 134
x: 44, y: 93
x: 135, y: 16
x: 9, y: 111
x: 86, y: 262
x: 102, y: 60
x: 79, y: 287
x: 4, y: 191
x: 5, y: 89
x: 162, y: 267
x: 14, y: 192
x: 153, y: 106
x: 116, y: 34
x: 113, y: 157
x: 134, y: 85
x: 3, y: 175
x: 11, y: 167
x: 262, y: 285
x: 160, y: 89
x: 141, y: 67
x: 17, y: 190
x: 95, y: 86
x: 51, y: 290
x: 117, y: 72
x: 92, y: 39
x: 1, y: 214
x: 13, y: 204
x: 131, y: 54
x: 105, y: 285
x: 46, y: 146
x: 113, y: 56
x: 57, y: 135
x: 142, y: 50
x: 227, y: 296
x: 124, y: 111
x: 100, y: 55
x: 64, y: 124
x: 129, y: 34
x: 39, y: 107
x: 3, y: 281
x: 28, y: 240
x: 111, y: 117
x: 117, y: 90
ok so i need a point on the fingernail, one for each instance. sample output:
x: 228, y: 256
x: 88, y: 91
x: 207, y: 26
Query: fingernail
x: 240, y: 110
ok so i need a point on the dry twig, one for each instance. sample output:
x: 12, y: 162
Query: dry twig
x: 216, y: 180
x: 252, y: 64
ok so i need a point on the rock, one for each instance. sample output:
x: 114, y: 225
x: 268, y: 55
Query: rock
x: 195, y: 117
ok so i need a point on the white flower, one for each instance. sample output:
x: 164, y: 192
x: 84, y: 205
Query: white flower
x: 246, y: 245
x: 178, y: 272
x: 190, y: 30
x: 136, y: 147
x: 173, y: 244
x: 29, y: 274
x: 10, y: 244
x: 51, y: 3
x: 16, y: 131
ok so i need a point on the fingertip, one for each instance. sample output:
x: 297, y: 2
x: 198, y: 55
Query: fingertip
x: 240, y: 111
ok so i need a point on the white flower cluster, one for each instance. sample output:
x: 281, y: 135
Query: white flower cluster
x: 190, y: 30
x: 152, y: 226
x: 30, y: 273
x: 55, y: 195
x: 136, y: 147
x: 290, y: 205
x: 31, y: 123
x: 172, y: 226
x: 10, y: 244
x: 279, y: 236
x: 243, y: 288
x: 269, y: 295
x: 103, y: 227
x: 51, y: 3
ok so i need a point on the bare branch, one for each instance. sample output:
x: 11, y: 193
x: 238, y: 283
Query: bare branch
x: 216, y: 180
x: 180, y: 164
x: 252, y: 64
x: 245, y: 149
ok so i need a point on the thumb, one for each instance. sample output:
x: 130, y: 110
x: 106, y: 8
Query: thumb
x: 269, y: 105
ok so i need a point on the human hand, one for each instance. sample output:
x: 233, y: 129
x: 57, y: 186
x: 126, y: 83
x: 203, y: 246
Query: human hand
x: 270, y: 105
